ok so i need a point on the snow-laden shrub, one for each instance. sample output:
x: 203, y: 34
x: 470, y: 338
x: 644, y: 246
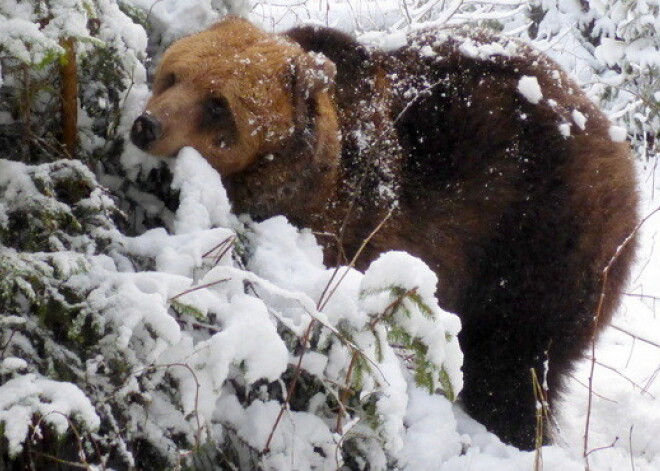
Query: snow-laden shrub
x: 613, y: 48
x: 235, y: 342
x: 37, y: 41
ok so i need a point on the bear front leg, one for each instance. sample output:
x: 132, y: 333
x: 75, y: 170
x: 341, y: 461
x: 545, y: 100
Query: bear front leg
x: 498, y: 390
x: 528, y: 307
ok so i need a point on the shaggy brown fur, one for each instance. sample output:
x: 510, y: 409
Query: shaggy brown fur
x: 517, y: 219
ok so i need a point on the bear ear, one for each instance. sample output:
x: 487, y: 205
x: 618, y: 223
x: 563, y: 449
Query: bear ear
x: 312, y: 73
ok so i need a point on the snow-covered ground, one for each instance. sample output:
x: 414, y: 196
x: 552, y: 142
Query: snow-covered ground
x: 625, y: 417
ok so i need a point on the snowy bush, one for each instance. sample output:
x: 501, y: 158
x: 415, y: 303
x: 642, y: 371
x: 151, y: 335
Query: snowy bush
x: 38, y: 40
x: 614, y: 47
x: 198, y: 349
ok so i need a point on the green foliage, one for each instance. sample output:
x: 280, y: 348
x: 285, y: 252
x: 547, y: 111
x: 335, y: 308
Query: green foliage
x: 54, y: 216
x: 58, y: 206
x: 136, y: 14
x: 183, y: 309
x: 427, y: 374
x: 31, y: 56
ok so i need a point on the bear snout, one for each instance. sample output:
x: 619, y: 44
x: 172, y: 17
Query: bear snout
x: 145, y: 131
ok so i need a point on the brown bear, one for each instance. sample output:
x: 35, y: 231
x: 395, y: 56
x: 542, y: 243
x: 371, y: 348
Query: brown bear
x: 477, y: 153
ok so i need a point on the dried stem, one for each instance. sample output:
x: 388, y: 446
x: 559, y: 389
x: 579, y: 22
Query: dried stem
x: 345, y: 392
x: 198, y: 287
x: 599, y: 311
x: 292, y: 386
x: 631, y: 381
x: 636, y: 337
x: 81, y: 450
x: 6, y: 345
x: 222, y: 248
x: 541, y: 397
x: 601, y: 448
x: 198, y: 435
x: 632, y: 459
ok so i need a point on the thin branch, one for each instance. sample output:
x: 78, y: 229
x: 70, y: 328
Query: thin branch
x: 599, y: 311
x: 636, y: 337
x: 198, y: 435
x: 631, y: 381
x: 651, y: 379
x: 643, y: 296
x: 354, y: 260
x: 198, y: 287
x: 426, y: 92
x: 222, y: 248
x: 632, y: 460
x: 81, y: 451
x: 611, y: 445
x: 345, y: 392
x: 73, y: 464
x: 593, y: 392
x: 323, y: 300
x: 6, y: 345
x: 292, y: 386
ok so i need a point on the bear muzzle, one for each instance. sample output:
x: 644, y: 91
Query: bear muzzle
x: 145, y: 131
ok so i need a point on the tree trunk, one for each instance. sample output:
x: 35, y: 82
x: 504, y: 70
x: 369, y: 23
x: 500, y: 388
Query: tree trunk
x: 69, y: 76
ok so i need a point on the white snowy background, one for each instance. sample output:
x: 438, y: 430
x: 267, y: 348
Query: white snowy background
x: 235, y: 336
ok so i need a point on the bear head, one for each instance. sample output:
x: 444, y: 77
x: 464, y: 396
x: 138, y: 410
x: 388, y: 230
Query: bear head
x: 236, y: 94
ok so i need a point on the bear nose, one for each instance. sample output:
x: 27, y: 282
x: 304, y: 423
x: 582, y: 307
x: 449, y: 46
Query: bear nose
x: 146, y: 129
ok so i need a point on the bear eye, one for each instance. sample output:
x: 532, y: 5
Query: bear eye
x: 216, y: 112
x: 216, y: 108
x: 218, y: 120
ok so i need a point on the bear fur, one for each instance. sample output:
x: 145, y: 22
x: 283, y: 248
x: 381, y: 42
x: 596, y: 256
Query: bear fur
x: 518, y: 198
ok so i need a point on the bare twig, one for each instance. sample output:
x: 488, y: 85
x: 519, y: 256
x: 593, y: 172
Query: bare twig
x: 651, y: 379
x: 198, y: 287
x: 151, y: 8
x: 345, y: 392
x: 601, y: 448
x: 61, y: 461
x: 222, y: 248
x: 593, y: 392
x: 632, y: 460
x: 6, y: 345
x: 292, y: 386
x: 599, y: 311
x: 166, y: 366
x: 425, y: 93
x: 541, y: 397
x: 198, y: 435
x: 323, y: 300
x: 81, y: 450
x: 634, y: 336
x: 643, y: 296
x: 631, y: 381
